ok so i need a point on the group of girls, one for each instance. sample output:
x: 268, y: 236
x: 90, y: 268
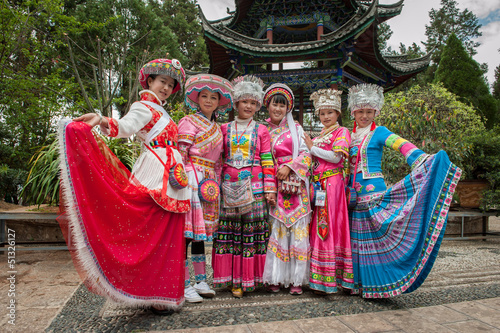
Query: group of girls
x: 281, y: 219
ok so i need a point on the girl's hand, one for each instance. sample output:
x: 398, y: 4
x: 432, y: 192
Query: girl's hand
x: 271, y: 198
x: 308, y: 140
x: 90, y: 119
x: 283, y: 172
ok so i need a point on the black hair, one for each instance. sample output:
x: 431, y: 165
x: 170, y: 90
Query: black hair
x: 153, y: 76
x: 279, y: 98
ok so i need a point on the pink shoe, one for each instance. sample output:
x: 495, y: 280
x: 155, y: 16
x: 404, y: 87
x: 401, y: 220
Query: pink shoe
x: 295, y: 290
x: 273, y: 288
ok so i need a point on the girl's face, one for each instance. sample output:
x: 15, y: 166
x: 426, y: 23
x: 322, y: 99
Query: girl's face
x: 208, y: 101
x: 246, y: 108
x: 364, y: 117
x: 162, y: 86
x: 277, y: 111
x: 328, y: 117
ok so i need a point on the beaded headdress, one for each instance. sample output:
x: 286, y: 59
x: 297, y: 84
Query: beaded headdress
x: 366, y: 96
x: 172, y: 68
x: 279, y: 89
x: 326, y: 99
x: 213, y: 83
x: 248, y: 87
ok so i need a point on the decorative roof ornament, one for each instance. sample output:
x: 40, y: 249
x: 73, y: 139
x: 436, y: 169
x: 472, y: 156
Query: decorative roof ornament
x: 213, y: 83
x: 279, y: 89
x: 172, y: 68
x: 366, y: 96
x: 248, y: 87
x: 326, y: 99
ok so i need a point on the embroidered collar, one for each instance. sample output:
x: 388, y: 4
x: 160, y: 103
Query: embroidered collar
x: 325, y: 134
x: 148, y: 95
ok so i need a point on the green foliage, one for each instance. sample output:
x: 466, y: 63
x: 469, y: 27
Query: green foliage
x: 11, y: 181
x: 42, y: 184
x: 178, y: 110
x: 118, y: 37
x: 430, y: 117
x: 483, y: 162
x: 33, y: 88
x: 449, y: 20
x: 463, y: 76
x: 496, y: 84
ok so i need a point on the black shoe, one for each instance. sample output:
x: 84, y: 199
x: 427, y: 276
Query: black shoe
x: 158, y: 312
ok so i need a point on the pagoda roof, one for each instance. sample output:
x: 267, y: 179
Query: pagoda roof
x: 356, y: 30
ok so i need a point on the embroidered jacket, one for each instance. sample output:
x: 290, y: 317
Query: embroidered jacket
x: 369, y: 176
x: 290, y: 207
x: 256, y: 148
x: 151, y: 170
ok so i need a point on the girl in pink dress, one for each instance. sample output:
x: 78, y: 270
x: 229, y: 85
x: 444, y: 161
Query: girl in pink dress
x: 126, y: 227
x: 239, y: 250
x: 287, y: 255
x: 200, y: 143
x: 331, y: 256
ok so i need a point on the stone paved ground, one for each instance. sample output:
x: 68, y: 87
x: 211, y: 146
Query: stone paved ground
x: 49, y: 296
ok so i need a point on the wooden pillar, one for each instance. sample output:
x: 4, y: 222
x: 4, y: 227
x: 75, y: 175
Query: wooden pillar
x: 319, y: 29
x: 281, y: 66
x: 301, y: 106
x: 270, y: 34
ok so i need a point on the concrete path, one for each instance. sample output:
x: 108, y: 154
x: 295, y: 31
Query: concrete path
x: 45, y: 282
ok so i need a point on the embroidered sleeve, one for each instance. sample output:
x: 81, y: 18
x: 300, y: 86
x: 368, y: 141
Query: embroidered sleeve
x: 342, y: 141
x: 266, y: 161
x: 300, y: 165
x: 187, y: 130
x: 138, y: 117
x: 412, y: 154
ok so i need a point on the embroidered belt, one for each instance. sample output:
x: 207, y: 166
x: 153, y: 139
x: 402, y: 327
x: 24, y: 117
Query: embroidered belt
x: 244, y: 163
x: 327, y: 173
x: 204, y: 162
x: 167, y: 143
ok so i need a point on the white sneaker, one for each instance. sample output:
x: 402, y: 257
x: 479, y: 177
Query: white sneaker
x: 191, y: 295
x: 203, y: 289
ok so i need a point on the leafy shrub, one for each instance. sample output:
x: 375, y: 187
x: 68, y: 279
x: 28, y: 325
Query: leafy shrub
x: 431, y: 118
x: 11, y: 181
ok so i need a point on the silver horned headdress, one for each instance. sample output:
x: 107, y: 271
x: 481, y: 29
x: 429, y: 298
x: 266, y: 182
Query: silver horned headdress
x: 326, y: 99
x: 366, y: 96
x: 248, y: 87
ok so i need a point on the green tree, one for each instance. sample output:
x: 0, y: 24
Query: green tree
x: 496, y: 84
x: 463, y: 76
x: 447, y: 20
x: 118, y: 37
x: 432, y: 118
x: 33, y: 90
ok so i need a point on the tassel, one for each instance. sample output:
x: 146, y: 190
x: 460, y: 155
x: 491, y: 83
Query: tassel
x: 373, y: 126
x: 354, y: 128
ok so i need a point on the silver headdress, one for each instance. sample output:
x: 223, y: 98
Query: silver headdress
x: 248, y: 87
x: 366, y: 96
x: 326, y: 99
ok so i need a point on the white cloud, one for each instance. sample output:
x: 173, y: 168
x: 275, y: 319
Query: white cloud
x: 482, y: 8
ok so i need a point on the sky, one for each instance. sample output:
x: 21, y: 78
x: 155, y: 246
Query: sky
x: 409, y: 26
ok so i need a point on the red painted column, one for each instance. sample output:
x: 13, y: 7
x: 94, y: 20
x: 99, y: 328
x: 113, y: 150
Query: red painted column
x: 270, y: 34
x: 319, y: 27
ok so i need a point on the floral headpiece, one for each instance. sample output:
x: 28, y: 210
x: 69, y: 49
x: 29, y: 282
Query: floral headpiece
x: 279, y: 89
x: 213, y: 83
x: 366, y: 96
x: 172, y: 68
x: 326, y: 99
x: 248, y: 87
